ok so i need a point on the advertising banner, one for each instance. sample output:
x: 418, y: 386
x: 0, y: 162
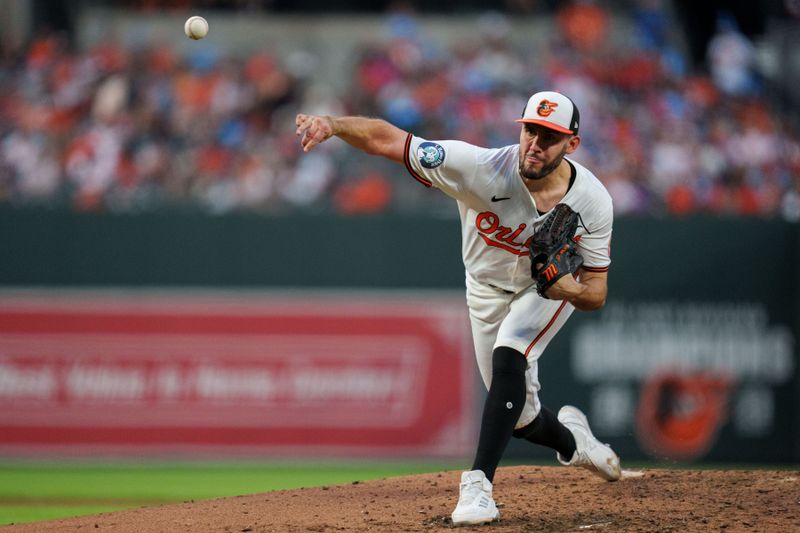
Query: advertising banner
x: 689, y: 378
x: 689, y: 360
x: 231, y: 373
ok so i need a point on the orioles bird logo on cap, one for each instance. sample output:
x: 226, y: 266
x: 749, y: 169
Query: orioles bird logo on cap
x: 546, y: 107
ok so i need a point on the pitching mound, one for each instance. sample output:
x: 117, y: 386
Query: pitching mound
x: 540, y: 499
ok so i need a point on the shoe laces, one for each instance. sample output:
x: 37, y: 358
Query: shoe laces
x: 472, y: 489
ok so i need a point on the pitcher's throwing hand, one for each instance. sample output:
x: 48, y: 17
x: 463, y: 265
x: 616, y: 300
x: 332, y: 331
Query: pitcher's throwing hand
x: 314, y: 130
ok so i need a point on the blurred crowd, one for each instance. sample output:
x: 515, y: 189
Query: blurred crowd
x: 130, y: 130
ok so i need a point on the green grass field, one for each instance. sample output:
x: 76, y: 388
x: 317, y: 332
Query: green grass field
x: 42, y: 491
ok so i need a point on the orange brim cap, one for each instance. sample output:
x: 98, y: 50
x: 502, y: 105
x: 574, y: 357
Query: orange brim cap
x: 546, y: 124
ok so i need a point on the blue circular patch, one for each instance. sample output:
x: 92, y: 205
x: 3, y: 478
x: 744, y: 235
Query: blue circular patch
x: 431, y: 155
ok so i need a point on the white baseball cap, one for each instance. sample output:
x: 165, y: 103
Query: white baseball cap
x: 552, y: 110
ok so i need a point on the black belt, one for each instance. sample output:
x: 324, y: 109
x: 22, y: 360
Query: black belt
x: 500, y: 289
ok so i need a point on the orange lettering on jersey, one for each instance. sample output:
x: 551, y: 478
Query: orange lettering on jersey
x: 502, y: 246
x: 498, y: 236
x: 503, y: 231
x: 487, y: 222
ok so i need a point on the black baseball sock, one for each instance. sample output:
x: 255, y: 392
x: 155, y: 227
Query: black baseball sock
x: 548, y: 431
x: 502, y: 408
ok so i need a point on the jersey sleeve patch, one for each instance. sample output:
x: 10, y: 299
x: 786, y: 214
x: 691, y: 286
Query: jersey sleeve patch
x: 430, y: 154
x: 407, y: 162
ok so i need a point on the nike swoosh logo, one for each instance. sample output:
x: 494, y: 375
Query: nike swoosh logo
x: 496, y: 199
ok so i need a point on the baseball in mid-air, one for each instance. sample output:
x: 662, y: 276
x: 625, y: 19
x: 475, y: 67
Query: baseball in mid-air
x: 196, y: 27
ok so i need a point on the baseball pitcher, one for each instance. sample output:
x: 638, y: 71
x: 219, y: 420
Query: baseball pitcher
x: 536, y: 232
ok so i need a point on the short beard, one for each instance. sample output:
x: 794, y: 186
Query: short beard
x: 546, y: 170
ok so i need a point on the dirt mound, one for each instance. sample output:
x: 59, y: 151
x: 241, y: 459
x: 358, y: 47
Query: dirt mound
x: 540, y: 499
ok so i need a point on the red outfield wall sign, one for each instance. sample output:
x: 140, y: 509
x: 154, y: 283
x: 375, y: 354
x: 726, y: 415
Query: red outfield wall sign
x: 231, y: 373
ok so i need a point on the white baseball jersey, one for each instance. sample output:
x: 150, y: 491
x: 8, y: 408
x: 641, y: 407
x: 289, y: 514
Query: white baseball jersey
x: 498, y: 218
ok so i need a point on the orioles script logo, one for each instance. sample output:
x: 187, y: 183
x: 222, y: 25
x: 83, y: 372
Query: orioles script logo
x: 499, y: 236
x: 546, y: 107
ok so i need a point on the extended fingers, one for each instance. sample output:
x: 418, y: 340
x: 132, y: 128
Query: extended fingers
x: 310, y: 140
x: 302, y: 122
x: 313, y: 129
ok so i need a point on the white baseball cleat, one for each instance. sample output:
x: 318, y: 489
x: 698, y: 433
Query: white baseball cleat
x: 590, y: 453
x: 475, y: 503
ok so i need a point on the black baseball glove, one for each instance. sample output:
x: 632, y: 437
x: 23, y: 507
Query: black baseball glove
x: 553, y: 248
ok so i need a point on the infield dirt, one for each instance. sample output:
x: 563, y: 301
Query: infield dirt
x: 531, y: 499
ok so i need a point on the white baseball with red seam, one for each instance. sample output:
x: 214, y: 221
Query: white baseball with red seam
x: 196, y: 27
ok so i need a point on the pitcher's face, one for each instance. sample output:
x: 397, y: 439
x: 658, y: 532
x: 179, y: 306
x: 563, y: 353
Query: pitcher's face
x: 541, y: 150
